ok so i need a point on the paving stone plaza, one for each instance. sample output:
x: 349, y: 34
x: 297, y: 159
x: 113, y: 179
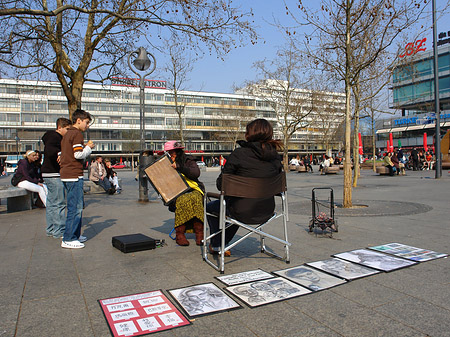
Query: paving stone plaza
x: 49, y: 291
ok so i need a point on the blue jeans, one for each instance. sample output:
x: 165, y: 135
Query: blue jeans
x: 56, y: 207
x: 105, y: 184
x: 214, y: 207
x: 74, y: 193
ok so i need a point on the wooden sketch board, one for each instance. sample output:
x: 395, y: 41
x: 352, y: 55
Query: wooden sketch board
x: 167, y: 181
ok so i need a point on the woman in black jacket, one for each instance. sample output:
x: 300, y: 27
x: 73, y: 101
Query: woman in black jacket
x: 31, y: 178
x: 188, y: 207
x: 256, y: 157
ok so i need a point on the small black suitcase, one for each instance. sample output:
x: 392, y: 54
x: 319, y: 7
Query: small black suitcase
x: 133, y: 243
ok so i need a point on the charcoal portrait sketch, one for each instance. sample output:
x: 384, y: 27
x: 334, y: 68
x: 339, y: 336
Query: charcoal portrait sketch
x: 244, y: 277
x: 203, y: 299
x: 267, y: 291
x: 310, y: 277
x: 344, y: 269
x: 375, y: 259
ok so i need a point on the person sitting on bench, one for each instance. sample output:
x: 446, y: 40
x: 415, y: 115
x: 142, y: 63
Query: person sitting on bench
x: 31, y: 179
x: 98, y: 175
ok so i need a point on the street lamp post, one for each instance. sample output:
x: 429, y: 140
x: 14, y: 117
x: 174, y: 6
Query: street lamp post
x: 17, y: 146
x: 437, y: 110
x: 141, y: 66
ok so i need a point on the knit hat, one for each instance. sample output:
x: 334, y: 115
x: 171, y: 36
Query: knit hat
x: 172, y: 145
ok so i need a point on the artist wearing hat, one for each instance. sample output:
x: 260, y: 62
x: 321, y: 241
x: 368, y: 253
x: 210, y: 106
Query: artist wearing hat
x: 188, y: 207
x: 31, y: 179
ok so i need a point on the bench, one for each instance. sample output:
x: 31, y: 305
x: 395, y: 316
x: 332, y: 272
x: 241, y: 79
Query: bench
x: 382, y: 170
x: 18, y: 199
x: 301, y: 169
x: 292, y: 167
x: 331, y: 170
x: 93, y: 188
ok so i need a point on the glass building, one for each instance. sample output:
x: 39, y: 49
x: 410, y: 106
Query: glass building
x: 412, y: 92
x: 212, y: 122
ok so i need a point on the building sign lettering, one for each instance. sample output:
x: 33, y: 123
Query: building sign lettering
x: 415, y: 120
x: 134, y: 82
x: 414, y: 47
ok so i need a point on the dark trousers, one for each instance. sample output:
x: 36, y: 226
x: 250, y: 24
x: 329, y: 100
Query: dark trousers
x: 415, y: 164
x: 391, y: 170
x: 214, y: 207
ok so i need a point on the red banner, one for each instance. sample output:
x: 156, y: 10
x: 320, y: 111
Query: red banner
x: 360, y: 144
x: 391, y: 142
x: 425, y: 145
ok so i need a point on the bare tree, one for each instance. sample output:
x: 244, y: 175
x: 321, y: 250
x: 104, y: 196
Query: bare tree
x: 349, y: 35
x: 178, y: 67
x: 131, y: 143
x: 232, y: 125
x: 327, y: 119
x: 282, y: 87
x: 78, y: 41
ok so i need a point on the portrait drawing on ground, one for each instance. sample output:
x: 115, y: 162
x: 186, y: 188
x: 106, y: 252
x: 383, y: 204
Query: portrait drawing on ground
x: 203, y: 299
x: 409, y: 252
x: 244, y: 277
x: 375, y: 259
x: 310, y: 277
x: 267, y: 291
x: 343, y: 269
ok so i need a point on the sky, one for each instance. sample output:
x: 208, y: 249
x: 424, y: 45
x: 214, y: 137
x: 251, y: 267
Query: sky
x: 211, y: 74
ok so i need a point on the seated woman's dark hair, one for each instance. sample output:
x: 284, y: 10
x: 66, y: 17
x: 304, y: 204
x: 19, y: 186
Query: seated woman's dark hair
x: 260, y: 130
x: 180, y: 158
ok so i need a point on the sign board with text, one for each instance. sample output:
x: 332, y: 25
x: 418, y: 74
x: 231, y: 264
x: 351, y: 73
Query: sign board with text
x: 141, y: 314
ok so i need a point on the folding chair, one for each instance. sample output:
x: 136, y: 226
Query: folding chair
x: 245, y: 187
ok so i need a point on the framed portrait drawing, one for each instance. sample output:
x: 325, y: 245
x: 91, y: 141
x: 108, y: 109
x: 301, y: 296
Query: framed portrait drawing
x: 408, y: 252
x: 203, y: 299
x: 344, y: 269
x: 309, y: 277
x: 244, y: 277
x: 263, y: 292
x: 375, y: 260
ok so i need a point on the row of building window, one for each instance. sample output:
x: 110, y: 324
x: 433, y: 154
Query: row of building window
x: 127, y: 95
x: 421, y: 68
x: 420, y: 90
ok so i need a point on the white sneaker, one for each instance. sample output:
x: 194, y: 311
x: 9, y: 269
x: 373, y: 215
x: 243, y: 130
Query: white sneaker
x: 82, y: 238
x: 75, y: 244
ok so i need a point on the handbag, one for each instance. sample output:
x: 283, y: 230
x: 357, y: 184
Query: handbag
x: 15, y: 180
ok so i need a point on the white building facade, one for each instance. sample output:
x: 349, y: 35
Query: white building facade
x: 211, y: 121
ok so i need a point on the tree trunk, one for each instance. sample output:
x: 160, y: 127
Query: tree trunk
x: 285, y: 154
x: 76, y: 92
x: 356, y: 144
x: 374, y: 150
x: 179, y: 110
x: 347, y: 198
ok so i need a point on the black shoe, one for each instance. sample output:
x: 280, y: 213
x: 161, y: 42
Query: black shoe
x: 112, y: 190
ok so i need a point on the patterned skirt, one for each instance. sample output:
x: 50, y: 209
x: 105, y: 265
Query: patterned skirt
x: 189, y: 208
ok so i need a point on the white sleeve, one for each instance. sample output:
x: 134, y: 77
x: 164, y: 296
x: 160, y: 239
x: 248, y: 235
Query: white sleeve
x: 83, y: 154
